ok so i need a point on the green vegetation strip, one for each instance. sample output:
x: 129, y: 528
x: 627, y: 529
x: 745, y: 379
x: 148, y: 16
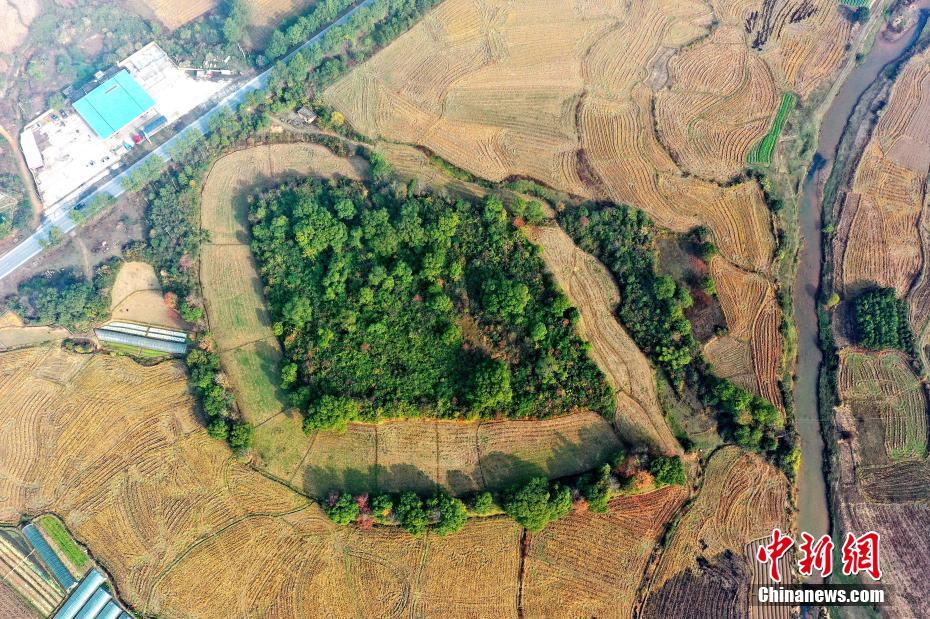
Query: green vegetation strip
x: 63, y: 540
x: 766, y: 148
x: 532, y: 504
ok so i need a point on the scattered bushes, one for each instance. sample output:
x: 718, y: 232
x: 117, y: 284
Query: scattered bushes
x: 533, y: 504
x: 216, y: 399
x: 440, y: 513
x: 881, y: 320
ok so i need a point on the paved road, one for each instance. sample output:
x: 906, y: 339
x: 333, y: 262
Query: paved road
x: 59, y: 216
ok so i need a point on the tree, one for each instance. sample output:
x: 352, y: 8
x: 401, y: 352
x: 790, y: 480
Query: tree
x: 881, y: 320
x: 595, y: 487
x: 451, y: 513
x: 537, y: 503
x: 668, y: 471
x: 490, y: 390
x: 218, y: 428
x: 241, y: 436
x: 341, y: 509
x: 482, y: 503
x: 382, y: 508
x: 236, y: 17
x: 411, y: 513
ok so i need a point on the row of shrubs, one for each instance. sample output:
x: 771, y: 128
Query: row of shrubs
x: 533, y: 504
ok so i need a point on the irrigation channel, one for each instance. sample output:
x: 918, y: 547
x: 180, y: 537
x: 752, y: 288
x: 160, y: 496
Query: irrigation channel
x: 814, y: 516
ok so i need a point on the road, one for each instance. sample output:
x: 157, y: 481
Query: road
x: 59, y: 216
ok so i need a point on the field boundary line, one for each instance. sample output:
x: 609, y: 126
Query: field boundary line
x: 304, y: 459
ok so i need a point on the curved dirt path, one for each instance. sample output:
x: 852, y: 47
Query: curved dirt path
x: 25, y: 176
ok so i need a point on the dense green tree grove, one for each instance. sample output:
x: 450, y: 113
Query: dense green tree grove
x: 395, y: 305
x: 65, y: 298
x: 652, y: 308
x: 537, y: 503
x: 881, y: 320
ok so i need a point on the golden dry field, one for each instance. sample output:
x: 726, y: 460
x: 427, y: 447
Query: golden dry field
x: 702, y: 567
x: 880, y: 239
x: 174, y: 14
x: 187, y: 531
x: 591, y: 565
x: 647, y: 103
x: 137, y: 297
x: 263, y: 15
x: 882, y: 236
x: 590, y: 287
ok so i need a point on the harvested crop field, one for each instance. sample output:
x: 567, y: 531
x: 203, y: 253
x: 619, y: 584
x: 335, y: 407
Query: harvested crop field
x: 174, y: 14
x: 741, y: 500
x: 878, y: 240
x: 590, y: 288
x: 557, y: 92
x: 136, y: 296
x: 263, y: 16
x: 888, y: 402
x: 591, y: 565
x: 891, y: 499
x: 462, y: 457
x: 188, y: 531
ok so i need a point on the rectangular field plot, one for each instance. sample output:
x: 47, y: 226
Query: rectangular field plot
x: 254, y: 370
x: 233, y: 292
x: 486, y: 555
x: 340, y: 461
x: 280, y: 444
x: 513, y: 451
x: 459, y: 470
x: 407, y: 456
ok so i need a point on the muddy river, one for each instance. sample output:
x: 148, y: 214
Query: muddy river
x: 814, y: 514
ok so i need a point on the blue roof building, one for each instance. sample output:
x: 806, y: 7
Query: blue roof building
x: 114, y: 104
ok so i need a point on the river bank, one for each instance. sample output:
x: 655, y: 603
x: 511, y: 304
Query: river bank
x: 836, y: 153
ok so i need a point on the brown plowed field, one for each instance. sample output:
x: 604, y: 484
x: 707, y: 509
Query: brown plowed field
x: 883, y: 499
x: 565, y: 92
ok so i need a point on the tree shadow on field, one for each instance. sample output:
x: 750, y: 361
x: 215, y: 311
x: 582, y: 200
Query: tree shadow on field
x: 594, y: 446
x: 268, y: 354
x: 320, y: 481
x: 459, y: 483
x: 403, y: 477
x: 502, y: 470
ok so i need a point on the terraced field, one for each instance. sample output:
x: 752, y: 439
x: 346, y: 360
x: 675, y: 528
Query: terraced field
x: 543, y: 90
x: 188, y: 531
x: 703, y: 566
x: 883, y: 475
